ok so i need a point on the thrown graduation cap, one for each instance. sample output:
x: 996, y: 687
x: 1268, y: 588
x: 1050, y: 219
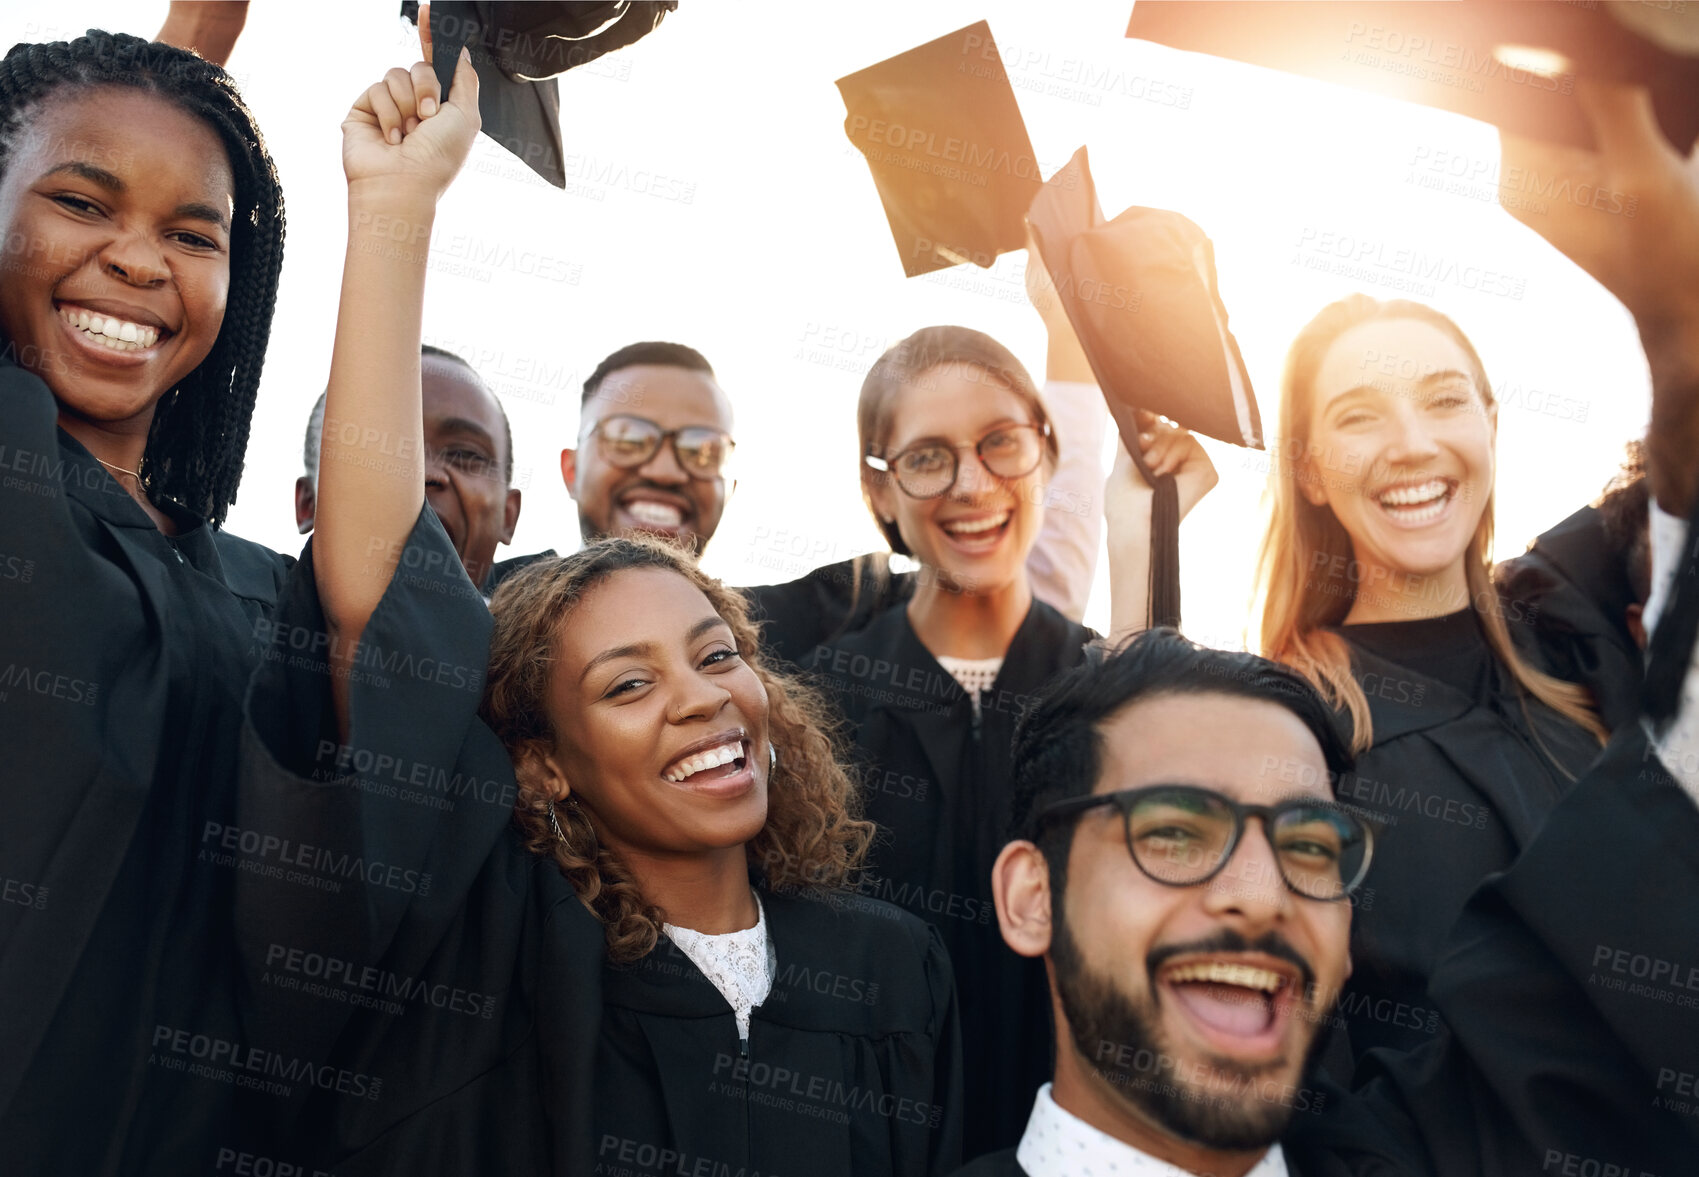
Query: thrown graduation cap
x: 1141, y: 295
x: 948, y: 150
x: 519, y: 49
x: 1512, y: 64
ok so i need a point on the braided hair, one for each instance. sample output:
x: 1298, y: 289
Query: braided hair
x: 199, y: 433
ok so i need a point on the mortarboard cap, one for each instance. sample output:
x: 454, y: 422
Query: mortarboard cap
x: 1512, y: 64
x: 1141, y: 295
x: 519, y: 49
x: 948, y: 150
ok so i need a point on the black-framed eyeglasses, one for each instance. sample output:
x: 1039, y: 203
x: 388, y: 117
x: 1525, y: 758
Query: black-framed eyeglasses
x: 628, y: 442
x: 928, y: 469
x: 1183, y: 835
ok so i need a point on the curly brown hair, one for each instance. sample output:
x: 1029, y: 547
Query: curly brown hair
x: 814, y: 838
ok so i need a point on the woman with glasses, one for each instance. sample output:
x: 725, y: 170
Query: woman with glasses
x: 957, y: 447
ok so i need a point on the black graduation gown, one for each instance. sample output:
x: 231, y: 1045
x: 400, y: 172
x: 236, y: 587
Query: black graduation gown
x: 1573, y: 590
x: 447, y: 987
x: 1460, y: 778
x: 852, y: 1067
x: 1567, y: 1053
x: 123, y: 658
x: 937, y: 782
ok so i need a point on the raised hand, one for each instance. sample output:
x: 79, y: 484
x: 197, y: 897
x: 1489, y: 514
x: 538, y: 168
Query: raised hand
x: 1166, y: 449
x: 1642, y: 244
x: 1641, y: 240
x: 400, y: 133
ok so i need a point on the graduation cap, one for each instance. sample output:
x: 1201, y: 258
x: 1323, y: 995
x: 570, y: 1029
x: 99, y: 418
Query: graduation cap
x: 1512, y: 64
x: 1141, y: 295
x: 948, y: 150
x: 519, y: 49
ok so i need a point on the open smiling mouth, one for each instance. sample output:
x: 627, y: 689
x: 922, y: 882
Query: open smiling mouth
x: 1239, y: 1009
x: 651, y: 513
x: 108, y: 331
x: 978, y: 533
x: 1413, y: 504
x: 725, y: 761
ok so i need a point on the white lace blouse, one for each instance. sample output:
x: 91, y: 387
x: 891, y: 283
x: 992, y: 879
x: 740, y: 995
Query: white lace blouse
x: 741, y: 965
x: 975, y: 674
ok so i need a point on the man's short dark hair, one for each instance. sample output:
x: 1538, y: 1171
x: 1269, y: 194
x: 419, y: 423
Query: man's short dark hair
x: 1058, y: 748
x: 315, y: 421
x: 665, y: 355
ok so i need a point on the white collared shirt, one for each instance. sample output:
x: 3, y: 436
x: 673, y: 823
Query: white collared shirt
x: 1058, y: 1143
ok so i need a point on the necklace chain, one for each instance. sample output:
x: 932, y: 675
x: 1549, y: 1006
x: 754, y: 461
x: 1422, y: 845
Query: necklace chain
x: 120, y: 469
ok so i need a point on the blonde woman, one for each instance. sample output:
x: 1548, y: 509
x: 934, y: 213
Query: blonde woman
x: 1472, y: 709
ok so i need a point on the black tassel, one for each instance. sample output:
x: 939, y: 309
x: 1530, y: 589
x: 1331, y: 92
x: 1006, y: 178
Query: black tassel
x: 1164, y: 545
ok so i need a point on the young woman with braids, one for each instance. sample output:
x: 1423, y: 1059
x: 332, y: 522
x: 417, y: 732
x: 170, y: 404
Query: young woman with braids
x: 141, y: 236
x: 1473, y: 702
x: 655, y: 967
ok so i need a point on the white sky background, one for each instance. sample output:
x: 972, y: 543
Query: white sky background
x: 717, y: 202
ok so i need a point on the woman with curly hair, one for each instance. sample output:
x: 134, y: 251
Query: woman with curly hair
x: 141, y: 239
x: 753, y: 1011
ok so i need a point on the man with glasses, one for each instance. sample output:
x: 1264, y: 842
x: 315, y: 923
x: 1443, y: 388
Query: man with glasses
x: 1188, y: 879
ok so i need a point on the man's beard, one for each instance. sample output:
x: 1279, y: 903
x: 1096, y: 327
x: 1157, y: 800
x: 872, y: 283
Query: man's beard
x: 1121, y: 1039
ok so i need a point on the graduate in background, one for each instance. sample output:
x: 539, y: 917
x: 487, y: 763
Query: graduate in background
x: 777, y: 1029
x: 142, y: 243
x: 469, y: 472
x: 957, y: 447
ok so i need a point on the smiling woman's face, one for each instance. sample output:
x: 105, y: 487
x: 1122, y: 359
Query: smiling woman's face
x: 1406, y: 444
x: 115, y: 260
x: 660, y: 725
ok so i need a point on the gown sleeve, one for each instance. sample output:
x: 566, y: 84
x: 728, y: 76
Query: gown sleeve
x: 947, y: 1067
x: 367, y: 849
x: 1570, y: 986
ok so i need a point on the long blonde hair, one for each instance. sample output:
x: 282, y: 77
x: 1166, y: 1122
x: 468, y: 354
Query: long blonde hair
x: 814, y: 838
x: 1303, y: 576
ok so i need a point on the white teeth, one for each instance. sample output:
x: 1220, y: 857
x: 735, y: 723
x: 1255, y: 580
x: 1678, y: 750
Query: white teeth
x: 655, y: 514
x: 1405, y: 496
x: 702, y: 761
x: 116, y: 334
x: 1222, y: 973
x: 976, y: 526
